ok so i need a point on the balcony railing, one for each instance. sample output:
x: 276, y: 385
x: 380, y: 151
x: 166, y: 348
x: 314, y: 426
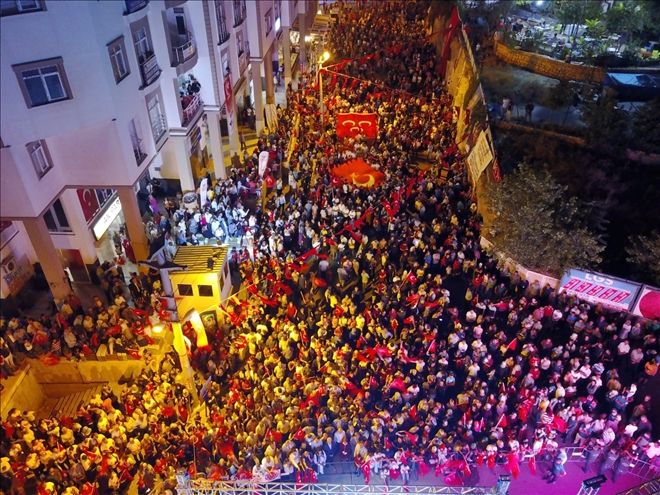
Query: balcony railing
x: 159, y: 128
x: 191, y: 107
x: 149, y: 69
x: 135, y: 5
x: 183, y: 49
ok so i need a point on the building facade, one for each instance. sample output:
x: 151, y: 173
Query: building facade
x: 98, y: 98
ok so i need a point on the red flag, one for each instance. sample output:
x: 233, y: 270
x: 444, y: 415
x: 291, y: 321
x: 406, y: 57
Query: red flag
x: 308, y: 254
x: 411, y: 278
x: 319, y: 282
x: 532, y: 465
x: 432, y: 347
x: 409, y: 321
x: 512, y: 464
x: 357, y: 172
x: 398, y: 384
x: 352, y: 124
x: 512, y: 345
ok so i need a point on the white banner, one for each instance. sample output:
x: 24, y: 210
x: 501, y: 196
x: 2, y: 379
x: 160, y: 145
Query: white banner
x: 263, y: 162
x: 480, y: 156
x: 271, y: 116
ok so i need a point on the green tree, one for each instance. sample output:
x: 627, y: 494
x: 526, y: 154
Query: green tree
x: 606, y: 124
x: 646, y: 126
x: 644, y: 254
x: 628, y: 18
x: 536, y: 223
x: 576, y: 12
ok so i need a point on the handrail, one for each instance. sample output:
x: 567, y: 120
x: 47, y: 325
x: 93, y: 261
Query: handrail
x: 191, y: 109
x: 649, y: 488
x: 185, y: 50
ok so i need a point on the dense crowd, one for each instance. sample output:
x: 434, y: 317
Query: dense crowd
x: 77, y: 332
x: 370, y: 326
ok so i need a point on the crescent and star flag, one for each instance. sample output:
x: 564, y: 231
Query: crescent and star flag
x: 88, y: 202
x: 352, y: 124
x: 359, y: 173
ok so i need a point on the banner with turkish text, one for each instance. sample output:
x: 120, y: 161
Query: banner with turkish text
x: 353, y: 124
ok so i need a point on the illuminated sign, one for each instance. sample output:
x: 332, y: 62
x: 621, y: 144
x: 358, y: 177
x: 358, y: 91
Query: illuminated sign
x: 106, y: 219
x: 600, y: 289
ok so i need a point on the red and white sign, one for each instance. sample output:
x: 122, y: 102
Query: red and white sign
x: 648, y: 303
x: 602, y: 289
x: 353, y: 124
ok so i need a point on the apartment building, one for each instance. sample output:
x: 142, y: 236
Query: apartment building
x: 97, y: 98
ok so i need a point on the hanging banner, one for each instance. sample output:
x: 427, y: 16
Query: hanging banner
x: 480, y: 156
x: 271, y: 116
x: 352, y: 124
x: 648, y: 303
x: 203, y: 192
x: 263, y: 162
x: 229, y: 104
x: 89, y: 203
x: 597, y: 288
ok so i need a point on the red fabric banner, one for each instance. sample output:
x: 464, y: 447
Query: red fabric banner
x: 359, y: 173
x: 352, y: 124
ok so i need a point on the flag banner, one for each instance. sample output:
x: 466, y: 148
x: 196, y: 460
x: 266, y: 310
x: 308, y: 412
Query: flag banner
x: 353, y: 124
x: 359, y: 173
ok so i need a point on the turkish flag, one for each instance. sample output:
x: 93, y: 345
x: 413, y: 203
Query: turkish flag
x: 352, y: 124
x: 89, y: 203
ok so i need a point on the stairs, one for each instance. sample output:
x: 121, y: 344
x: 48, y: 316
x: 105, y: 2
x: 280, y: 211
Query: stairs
x: 57, y: 405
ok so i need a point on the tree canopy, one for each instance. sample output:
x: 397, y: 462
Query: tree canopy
x: 606, y: 124
x: 644, y: 254
x: 538, y: 224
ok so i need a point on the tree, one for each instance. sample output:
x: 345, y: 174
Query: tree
x: 606, y: 124
x: 539, y: 225
x: 646, y: 127
x: 576, y: 12
x: 644, y: 254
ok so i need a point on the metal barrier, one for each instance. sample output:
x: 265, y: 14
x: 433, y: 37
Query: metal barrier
x: 651, y: 487
x: 208, y: 487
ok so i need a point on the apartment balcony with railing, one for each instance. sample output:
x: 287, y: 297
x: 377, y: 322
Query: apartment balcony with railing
x: 134, y: 5
x: 158, y: 128
x: 192, y: 106
x: 149, y: 69
x: 183, y: 48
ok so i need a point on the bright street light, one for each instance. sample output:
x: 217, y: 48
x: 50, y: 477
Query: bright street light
x: 323, y: 58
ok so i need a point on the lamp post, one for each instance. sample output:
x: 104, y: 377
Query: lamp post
x: 323, y: 58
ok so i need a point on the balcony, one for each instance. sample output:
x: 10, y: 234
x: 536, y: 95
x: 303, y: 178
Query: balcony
x: 135, y: 5
x: 192, y: 106
x: 183, y: 49
x: 149, y: 68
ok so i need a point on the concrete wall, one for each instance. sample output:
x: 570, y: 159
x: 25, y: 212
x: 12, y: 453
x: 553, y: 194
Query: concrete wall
x: 546, y: 66
x: 22, y: 392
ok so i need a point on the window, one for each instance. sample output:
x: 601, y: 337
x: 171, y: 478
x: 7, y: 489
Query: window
x: 240, y: 12
x: 205, y: 290
x: 149, y: 69
x: 156, y: 117
x: 40, y: 157
x: 239, y: 43
x: 43, y: 82
x: 118, y: 59
x: 135, y: 5
x: 223, y: 34
x: 185, y: 289
x: 13, y: 7
x: 142, y: 40
x: 268, y: 18
x: 56, y: 219
x: 136, y: 141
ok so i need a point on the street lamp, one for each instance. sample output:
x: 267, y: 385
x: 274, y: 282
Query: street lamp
x: 322, y: 59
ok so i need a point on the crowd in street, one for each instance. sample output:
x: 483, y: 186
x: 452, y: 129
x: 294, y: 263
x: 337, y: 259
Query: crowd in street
x: 370, y: 326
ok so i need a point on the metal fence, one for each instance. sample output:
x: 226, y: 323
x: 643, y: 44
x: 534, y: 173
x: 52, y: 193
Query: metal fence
x: 207, y: 487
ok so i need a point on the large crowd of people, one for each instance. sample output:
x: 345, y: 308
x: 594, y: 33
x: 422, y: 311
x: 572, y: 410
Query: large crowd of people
x: 370, y: 326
